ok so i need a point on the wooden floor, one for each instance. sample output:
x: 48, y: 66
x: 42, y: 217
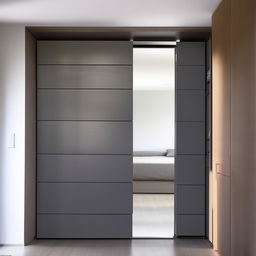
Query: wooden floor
x: 135, y: 247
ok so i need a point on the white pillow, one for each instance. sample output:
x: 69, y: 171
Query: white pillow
x: 170, y: 152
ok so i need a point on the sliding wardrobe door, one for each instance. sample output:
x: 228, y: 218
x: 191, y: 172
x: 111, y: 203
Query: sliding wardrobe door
x: 190, y: 139
x: 84, y: 139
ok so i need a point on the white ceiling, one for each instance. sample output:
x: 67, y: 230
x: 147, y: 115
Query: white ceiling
x: 153, y: 69
x: 108, y: 13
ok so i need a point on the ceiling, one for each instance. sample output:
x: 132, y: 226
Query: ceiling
x: 174, y: 13
x: 153, y: 69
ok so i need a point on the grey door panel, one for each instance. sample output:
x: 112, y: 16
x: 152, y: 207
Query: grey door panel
x: 84, y: 168
x: 191, y: 53
x: 190, y: 158
x: 190, y: 199
x: 190, y: 78
x: 190, y: 105
x: 84, y: 52
x: 190, y: 138
x: 84, y: 137
x: 85, y: 198
x: 191, y: 225
x: 84, y: 76
x: 84, y: 105
x: 190, y: 169
x: 84, y: 226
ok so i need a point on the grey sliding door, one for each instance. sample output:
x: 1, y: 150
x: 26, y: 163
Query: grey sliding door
x: 190, y: 139
x: 84, y: 139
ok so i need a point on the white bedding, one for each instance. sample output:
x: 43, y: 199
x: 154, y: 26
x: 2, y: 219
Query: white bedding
x: 153, y: 160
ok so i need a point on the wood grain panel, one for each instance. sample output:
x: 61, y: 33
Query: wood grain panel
x: 221, y: 87
x: 224, y: 201
x: 243, y: 123
x: 221, y: 130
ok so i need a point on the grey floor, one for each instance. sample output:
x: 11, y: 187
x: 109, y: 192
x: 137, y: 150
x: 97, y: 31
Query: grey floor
x: 135, y: 247
x: 153, y: 215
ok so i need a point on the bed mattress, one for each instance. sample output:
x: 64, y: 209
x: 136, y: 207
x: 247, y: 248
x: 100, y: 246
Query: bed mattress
x: 153, y: 168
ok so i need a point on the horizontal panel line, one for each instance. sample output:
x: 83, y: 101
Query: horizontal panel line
x: 196, y: 185
x: 203, y: 90
x: 89, y: 89
x: 190, y: 155
x: 224, y: 174
x: 201, y: 155
x: 100, y: 214
x: 128, y: 121
x: 155, y: 180
x: 203, y: 122
x: 83, y: 64
x: 87, y: 120
x: 80, y: 154
x: 199, y: 214
x: 192, y: 65
x: 110, y: 182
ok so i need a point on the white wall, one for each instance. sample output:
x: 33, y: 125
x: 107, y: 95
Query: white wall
x: 153, y: 98
x: 153, y: 120
x: 12, y: 120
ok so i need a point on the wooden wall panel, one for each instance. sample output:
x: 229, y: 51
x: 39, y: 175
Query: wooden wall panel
x: 221, y: 87
x: 243, y: 124
x: 234, y: 40
x: 223, y: 198
x: 221, y: 96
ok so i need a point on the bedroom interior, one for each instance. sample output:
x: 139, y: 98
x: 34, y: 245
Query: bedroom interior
x: 153, y: 141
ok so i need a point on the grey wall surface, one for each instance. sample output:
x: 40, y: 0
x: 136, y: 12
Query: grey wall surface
x: 190, y: 139
x: 84, y: 139
x: 30, y: 140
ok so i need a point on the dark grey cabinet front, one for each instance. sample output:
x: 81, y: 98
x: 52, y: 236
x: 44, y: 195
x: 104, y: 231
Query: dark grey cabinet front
x: 84, y: 139
x: 190, y: 171
x: 84, y: 105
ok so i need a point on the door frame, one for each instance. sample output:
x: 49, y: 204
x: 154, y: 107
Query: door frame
x: 32, y: 34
